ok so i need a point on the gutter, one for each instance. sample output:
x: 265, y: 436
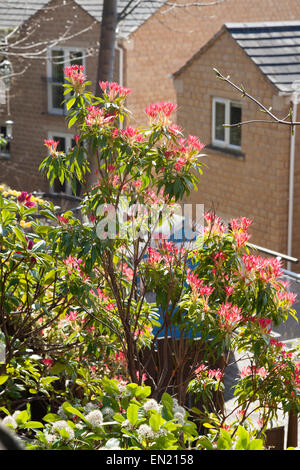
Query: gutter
x: 294, y: 99
x: 291, y: 180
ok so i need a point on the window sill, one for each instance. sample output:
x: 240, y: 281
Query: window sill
x: 4, y: 156
x: 226, y: 152
x: 54, y: 112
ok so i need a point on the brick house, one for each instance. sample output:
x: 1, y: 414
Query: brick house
x: 64, y: 32
x: 248, y: 167
x: 153, y: 43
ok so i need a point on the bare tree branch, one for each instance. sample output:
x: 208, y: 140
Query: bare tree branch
x: 127, y: 10
x: 267, y: 111
x: 173, y: 5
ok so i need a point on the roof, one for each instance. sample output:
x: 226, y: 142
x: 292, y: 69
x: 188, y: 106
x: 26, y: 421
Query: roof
x: 274, y: 47
x: 15, y: 12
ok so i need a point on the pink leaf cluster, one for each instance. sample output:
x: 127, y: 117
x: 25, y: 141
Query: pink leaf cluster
x: 113, y: 90
x: 25, y: 198
x: 75, y: 73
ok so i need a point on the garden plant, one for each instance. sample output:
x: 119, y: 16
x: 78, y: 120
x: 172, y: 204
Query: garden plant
x: 116, y: 336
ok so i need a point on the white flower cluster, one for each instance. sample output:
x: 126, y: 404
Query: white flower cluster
x: 152, y: 404
x: 62, y: 424
x: 10, y: 422
x: 122, y: 386
x: 95, y: 418
x: 51, y: 438
x: 146, y: 432
x: 126, y: 424
x: 112, y: 444
x: 61, y: 412
x: 90, y: 407
x: 179, y: 412
x: 108, y: 413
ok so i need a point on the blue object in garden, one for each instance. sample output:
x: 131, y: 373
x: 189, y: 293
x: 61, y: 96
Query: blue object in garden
x: 179, y: 235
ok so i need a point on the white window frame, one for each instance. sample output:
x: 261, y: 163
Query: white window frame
x: 4, y: 152
x: 226, y: 142
x: 68, y: 139
x: 67, y: 50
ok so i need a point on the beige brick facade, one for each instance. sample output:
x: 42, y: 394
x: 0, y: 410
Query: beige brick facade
x: 172, y: 36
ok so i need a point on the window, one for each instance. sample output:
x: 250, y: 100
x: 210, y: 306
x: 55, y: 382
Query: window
x: 4, y: 144
x: 226, y: 112
x: 66, y: 142
x: 57, y: 60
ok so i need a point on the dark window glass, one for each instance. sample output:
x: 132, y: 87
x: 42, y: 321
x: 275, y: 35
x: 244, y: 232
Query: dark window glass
x: 76, y: 58
x: 220, y: 121
x: 235, y: 118
x: 58, y: 59
x: 57, y: 96
x: 57, y: 186
x: 4, y: 149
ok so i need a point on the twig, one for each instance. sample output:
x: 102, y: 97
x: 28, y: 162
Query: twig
x: 275, y: 119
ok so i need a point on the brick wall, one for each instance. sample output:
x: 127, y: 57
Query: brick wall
x: 153, y: 52
x: 296, y: 212
x: 171, y: 36
x: 29, y: 101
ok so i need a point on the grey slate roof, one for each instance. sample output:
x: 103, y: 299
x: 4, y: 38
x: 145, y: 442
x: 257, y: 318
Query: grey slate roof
x: 274, y: 47
x: 15, y: 12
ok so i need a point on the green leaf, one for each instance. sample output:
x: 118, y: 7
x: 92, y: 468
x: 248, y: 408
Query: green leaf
x: 22, y: 417
x: 64, y: 433
x: 51, y: 417
x: 167, y: 403
x: 155, y: 421
x: 73, y: 411
x: 243, y: 441
x: 209, y: 426
x: 143, y: 392
x: 225, y: 435
x: 71, y: 102
x: 204, y: 442
x: 223, y: 444
x: 32, y: 425
x: 72, y: 121
x: 256, y: 444
x: 132, y: 414
x: 19, y: 234
x: 3, y: 379
x: 119, y: 418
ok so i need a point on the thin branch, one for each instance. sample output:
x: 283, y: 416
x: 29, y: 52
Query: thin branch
x: 127, y: 10
x: 194, y: 4
x: 275, y: 119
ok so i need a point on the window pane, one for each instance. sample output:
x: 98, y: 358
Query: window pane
x: 4, y: 149
x: 57, y: 60
x: 76, y: 58
x: 57, y: 96
x: 62, y: 143
x: 219, y: 121
x: 66, y: 187
x: 235, y: 117
x: 57, y: 186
